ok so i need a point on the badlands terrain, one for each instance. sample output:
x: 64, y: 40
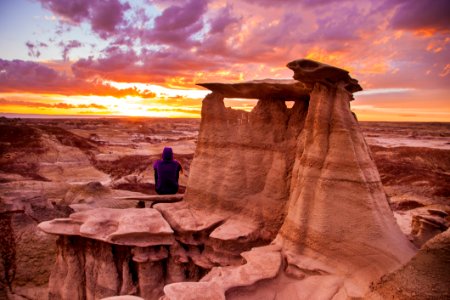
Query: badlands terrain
x: 50, y: 168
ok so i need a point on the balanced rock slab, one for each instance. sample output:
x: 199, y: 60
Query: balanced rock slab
x: 132, y: 227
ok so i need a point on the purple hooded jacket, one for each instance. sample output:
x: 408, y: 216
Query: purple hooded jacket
x: 167, y: 172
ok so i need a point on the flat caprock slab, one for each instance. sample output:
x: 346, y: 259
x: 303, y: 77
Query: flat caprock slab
x: 261, y: 89
x: 132, y: 227
x: 310, y: 71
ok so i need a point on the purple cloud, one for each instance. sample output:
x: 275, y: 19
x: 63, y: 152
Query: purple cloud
x: 422, y: 14
x: 107, y: 15
x: 293, y: 2
x: 34, y: 49
x: 113, y: 60
x: 76, y: 11
x: 177, y: 24
x: 72, y: 44
x: 32, y: 77
x: 222, y: 19
x: 103, y: 15
x: 257, y: 37
x: 148, y: 66
x: 176, y: 17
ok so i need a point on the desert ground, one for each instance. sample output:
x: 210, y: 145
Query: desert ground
x: 50, y: 168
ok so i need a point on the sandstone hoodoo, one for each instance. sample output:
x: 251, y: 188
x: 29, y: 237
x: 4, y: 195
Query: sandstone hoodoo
x: 279, y: 201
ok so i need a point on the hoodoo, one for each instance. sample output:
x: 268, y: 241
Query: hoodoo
x: 280, y: 201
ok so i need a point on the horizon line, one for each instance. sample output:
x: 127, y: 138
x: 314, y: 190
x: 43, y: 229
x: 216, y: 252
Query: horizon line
x: 48, y: 116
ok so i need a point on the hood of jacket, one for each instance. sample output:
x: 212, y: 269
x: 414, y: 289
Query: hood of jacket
x: 167, y: 153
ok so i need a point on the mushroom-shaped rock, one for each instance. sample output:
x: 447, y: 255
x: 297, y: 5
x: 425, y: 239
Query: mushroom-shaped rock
x: 310, y: 71
x: 305, y: 174
x: 132, y: 227
x: 106, y: 252
x: 261, y: 89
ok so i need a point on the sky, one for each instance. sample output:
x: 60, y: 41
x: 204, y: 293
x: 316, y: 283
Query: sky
x: 143, y: 57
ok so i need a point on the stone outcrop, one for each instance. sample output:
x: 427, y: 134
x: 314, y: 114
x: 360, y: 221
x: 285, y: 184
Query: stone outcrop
x: 304, y: 176
x: 26, y: 253
x: 301, y: 179
x: 106, y: 252
x: 426, y: 226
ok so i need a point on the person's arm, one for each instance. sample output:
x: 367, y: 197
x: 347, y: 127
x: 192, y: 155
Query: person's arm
x: 156, y: 175
x: 180, y: 168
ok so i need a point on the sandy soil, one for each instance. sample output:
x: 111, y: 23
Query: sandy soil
x: 396, y: 134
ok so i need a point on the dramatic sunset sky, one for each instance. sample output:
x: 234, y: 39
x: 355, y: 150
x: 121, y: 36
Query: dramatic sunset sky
x: 143, y: 57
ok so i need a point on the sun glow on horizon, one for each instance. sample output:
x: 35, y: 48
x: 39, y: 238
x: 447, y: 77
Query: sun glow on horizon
x: 144, y: 58
x: 166, y: 103
x: 185, y: 103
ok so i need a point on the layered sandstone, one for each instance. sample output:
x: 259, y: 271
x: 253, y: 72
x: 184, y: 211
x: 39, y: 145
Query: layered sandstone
x: 26, y: 253
x: 301, y: 179
x: 304, y: 174
x: 106, y: 252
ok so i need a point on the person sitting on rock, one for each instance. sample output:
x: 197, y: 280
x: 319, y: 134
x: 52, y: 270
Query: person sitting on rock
x: 167, y: 172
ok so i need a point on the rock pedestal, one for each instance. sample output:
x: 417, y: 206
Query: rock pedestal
x: 305, y: 177
x: 301, y: 179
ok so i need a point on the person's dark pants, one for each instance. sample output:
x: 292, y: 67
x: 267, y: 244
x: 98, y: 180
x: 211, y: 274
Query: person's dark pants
x: 167, y: 191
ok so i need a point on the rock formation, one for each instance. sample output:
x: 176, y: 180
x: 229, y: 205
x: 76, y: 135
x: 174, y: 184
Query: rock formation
x: 26, y: 253
x: 105, y: 252
x: 426, y: 226
x: 300, y: 179
x: 319, y: 190
x: 122, y: 255
x: 425, y: 276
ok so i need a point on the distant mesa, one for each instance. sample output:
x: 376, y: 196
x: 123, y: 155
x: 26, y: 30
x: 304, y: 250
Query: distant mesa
x: 281, y: 203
